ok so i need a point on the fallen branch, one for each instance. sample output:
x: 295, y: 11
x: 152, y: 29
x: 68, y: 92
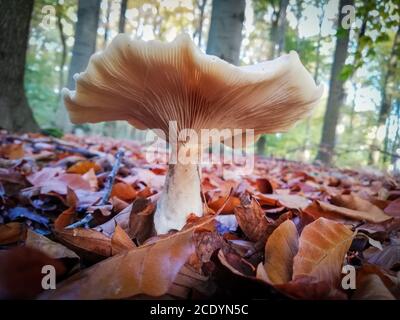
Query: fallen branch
x: 107, y: 191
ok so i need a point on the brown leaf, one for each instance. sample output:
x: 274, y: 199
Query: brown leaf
x: 289, y: 201
x: 323, y: 209
x: 21, y: 272
x: 12, y: 232
x: 86, y: 242
x: 388, y: 257
x: 280, y: 250
x: 265, y: 186
x: 82, y: 167
x: 252, y: 220
x: 141, y: 225
x: 123, y: 191
x: 322, y: 247
x: 370, y: 212
x: 120, y: 241
x: 91, y: 178
x: 53, y: 249
x: 66, y: 218
x: 229, y: 207
x: 304, y: 287
x: 369, y: 286
x: 150, y: 270
x: 12, y: 151
x: 393, y: 209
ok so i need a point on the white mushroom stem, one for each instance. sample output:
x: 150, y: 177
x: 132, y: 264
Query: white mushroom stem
x: 180, y: 197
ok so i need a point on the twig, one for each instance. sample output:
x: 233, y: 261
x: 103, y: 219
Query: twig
x: 107, y: 191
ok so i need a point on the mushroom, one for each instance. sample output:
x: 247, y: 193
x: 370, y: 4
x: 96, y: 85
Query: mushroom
x: 151, y: 84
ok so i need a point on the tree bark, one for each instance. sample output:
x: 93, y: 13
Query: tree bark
x: 64, y: 48
x: 122, y: 19
x: 84, y: 47
x: 336, y: 91
x: 201, y: 5
x: 225, y: 35
x: 15, y: 17
x: 282, y: 26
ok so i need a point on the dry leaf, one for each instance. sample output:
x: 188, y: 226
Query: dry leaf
x: 229, y: 207
x: 21, y: 272
x: 283, y: 200
x: 85, y: 241
x: 120, y: 241
x: 123, y: 191
x: 149, y: 270
x: 82, y: 167
x: 12, y: 232
x: 52, y: 249
x: 323, y: 209
x: 66, y: 218
x: 369, y: 286
x: 323, y: 245
x: 280, y: 250
x: 252, y: 220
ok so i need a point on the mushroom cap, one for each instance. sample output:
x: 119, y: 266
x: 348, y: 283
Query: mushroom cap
x: 151, y: 83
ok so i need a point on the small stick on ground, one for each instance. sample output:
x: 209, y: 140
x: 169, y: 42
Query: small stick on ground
x: 107, y: 191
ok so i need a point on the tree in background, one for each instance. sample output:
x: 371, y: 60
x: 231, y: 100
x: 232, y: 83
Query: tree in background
x: 84, y: 47
x: 336, y: 90
x: 15, y: 17
x: 122, y: 18
x: 276, y: 40
x: 225, y: 35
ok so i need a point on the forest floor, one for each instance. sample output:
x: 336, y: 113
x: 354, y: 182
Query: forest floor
x: 284, y: 231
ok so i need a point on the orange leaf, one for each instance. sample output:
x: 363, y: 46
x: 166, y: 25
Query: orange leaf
x: 290, y: 201
x: 322, y: 247
x: 12, y: 232
x: 12, y: 151
x: 252, y: 220
x: 85, y: 241
x: 120, y: 241
x: 323, y: 209
x: 123, y: 191
x: 82, y: 167
x: 280, y: 250
x: 150, y: 270
x: 65, y: 219
x: 229, y: 207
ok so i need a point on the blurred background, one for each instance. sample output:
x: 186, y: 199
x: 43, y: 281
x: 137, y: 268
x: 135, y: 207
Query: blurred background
x: 350, y: 46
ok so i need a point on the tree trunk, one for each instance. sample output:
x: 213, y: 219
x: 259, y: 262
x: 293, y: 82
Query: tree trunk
x: 387, y: 95
x: 15, y: 17
x: 122, y: 18
x: 225, y: 35
x: 336, y: 91
x: 281, y: 26
x: 107, y: 24
x: 64, y: 48
x: 201, y: 5
x: 84, y: 47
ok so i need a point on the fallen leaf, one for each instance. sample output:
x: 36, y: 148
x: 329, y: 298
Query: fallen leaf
x: 283, y: 200
x: 120, y: 241
x: 53, y: 249
x: 123, y: 191
x: 86, y: 242
x: 393, y: 209
x: 65, y: 218
x: 323, y: 209
x: 369, y: 286
x: 280, y: 250
x: 371, y: 212
x: 12, y: 151
x: 229, y: 207
x: 17, y: 280
x: 83, y: 167
x: 12, y: 232
x: 252, y: 220
x: 150, y: 270
x: 322, y: 247
x: 91, y: 178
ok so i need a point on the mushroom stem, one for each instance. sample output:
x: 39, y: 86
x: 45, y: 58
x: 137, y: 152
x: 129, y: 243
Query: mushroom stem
x: 180, y: 197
